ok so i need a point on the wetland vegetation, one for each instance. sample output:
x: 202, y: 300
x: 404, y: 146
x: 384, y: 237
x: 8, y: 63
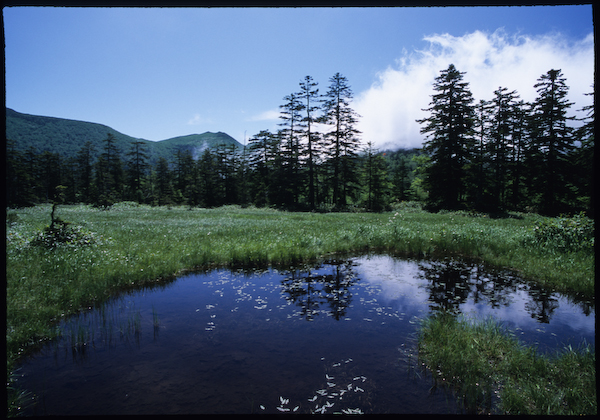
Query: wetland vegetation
x: 132, y: 245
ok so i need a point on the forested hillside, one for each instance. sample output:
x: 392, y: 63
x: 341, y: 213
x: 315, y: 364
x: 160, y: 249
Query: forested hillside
x: 487, y: 156
x: 66, y: 137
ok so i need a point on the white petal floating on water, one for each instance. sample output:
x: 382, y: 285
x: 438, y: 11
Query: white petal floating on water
x: 312, y: 399
x: 296, y: 408
x: 328, y: 377
x: 352, y: 411
x: 330, y: 384
x: 283, y: 409
x: 262, y: 407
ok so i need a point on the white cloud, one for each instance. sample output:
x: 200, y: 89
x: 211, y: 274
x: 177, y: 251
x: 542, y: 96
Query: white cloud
x: 269, y: 115
x: 390, y: 107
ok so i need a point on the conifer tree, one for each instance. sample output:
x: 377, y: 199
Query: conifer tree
x: 551, y: 144
x: 260, y: 161
x: 84, y: 167
x: 290, y: 150
x: 449, y: 139
x: 207, y: 168
x: 479, y: 170
x: 375, y: 181
x: 137, y: 167
x: 163, y: 183
x: 342, y: 140
x: 309, y: 97
x: 517, y: 155
x: 109, y: 173
x: 501, y: 141
x: 183, y: 175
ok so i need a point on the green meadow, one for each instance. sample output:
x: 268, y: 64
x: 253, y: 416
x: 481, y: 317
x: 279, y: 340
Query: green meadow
x: 102, y: 252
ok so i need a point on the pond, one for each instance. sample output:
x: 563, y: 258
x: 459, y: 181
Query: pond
x: 337, y: 337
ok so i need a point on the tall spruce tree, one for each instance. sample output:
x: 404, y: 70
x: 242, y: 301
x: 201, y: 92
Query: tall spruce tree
x: 109, y: 173
x: 290, y: 150
x: 376, y: 184
x: 207, y: 168
x: 449, y: 139
x: 309, y: 96
x: 85, y: 170
x: 163, y: 191
x: 501, y: 142
x: 551, y: 144
x: 479, y: 170
x: 260, y: 161
x: 342, y: 142
x: 183, y: 172
x: 516, y: 185
x: 137, y: 167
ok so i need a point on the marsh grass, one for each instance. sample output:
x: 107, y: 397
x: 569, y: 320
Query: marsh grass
x: 130, y: 246
x: 493, y: 372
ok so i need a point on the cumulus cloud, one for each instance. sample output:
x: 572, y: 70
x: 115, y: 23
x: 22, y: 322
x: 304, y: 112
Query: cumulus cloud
x: 391, y: 105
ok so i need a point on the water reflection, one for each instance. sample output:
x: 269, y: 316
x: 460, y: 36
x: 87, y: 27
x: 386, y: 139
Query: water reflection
x: 310, y: 291
x: 335, y: 337
x: 451, y: 283
x: 541, y: 305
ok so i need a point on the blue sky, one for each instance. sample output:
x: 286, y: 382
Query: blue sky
x: 158, y: 73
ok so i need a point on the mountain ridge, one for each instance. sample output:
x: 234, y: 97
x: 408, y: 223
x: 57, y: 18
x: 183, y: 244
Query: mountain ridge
x: 66, y: 137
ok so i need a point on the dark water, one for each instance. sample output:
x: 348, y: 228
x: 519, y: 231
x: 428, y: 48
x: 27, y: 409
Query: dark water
x: 336, y: 337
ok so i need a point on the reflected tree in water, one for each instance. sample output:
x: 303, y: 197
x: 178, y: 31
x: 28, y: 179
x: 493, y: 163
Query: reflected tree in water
x: 451, y: 282
x: 310, y: 292
x: 493, y: 289
x: 337, y: 288
x: 448, y: 284
x: 542, y: 305
x: 305, y: 292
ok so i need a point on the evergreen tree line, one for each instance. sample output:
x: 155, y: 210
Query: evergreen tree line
x: 313, y: 162
x: 506, y: 154
x: 502, y: 154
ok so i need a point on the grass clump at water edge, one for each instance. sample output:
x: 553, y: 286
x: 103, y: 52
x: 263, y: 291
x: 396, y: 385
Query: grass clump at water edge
x: 493, y: 372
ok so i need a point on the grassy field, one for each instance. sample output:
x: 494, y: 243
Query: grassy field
x: 494, y: 373
x: 105, y: 251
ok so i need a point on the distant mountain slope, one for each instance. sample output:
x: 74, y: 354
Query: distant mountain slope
x: 196, y: 143
x: 66, y: 137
